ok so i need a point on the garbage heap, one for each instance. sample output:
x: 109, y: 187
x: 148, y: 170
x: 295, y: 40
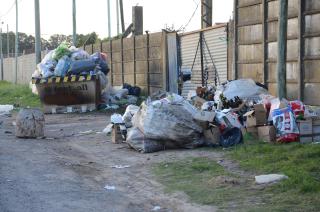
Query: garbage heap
x: 248, y: 106
x: 215, y: 117
x: 67, y: 60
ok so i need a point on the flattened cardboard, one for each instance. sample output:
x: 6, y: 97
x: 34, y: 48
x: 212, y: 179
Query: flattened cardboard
x: 267, y: 133
x: 305, y: 127
x: 204, y: 116
x: 256, y: 117
x: 212, y: 135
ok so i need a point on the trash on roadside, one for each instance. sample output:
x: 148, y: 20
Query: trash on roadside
x: 245, y: 89
x: 110, y: 187
x: 132, y: 90
x: 30, y: 123
x: 5, y: 109
x: 228, y: 119
x: 285, y: 124
x: 164, y: 124
x: 156, y: 208
x: 108, y: 129
x: 131, y: 110
x: 267, y: 133
x: 257, y: 116
x: 270, y: 178
x: 231, y: 137
x: 120, y: 166
x: 212, y: 135
x: 88, y: 132
x: 118, y: 135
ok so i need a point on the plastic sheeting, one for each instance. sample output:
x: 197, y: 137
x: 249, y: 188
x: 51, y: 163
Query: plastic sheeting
x: 168, y: 123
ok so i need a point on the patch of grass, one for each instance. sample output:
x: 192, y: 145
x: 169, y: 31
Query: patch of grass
x: 202, y: 179
x: 300, y: 162
x: 207, y: 182
x: 17, y: 95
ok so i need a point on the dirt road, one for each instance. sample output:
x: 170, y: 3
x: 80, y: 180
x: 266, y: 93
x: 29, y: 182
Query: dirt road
x: 67, y: 171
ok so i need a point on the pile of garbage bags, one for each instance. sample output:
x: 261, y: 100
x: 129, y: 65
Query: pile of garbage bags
x: 165, y: 124
x: 68, y: 60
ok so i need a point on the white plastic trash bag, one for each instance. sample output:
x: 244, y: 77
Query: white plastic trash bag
x: 243, y: 88
x: 131, y: 110
x: 169, y: 122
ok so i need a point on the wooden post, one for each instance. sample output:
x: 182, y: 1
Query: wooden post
x: 122, y: 64
x: 265, y: 42
x: 301, y: 24
x: 148, y: 65
x: 111, y: 65
x: 134, y: 62
x: 235, y: 40
x: 282, y: 49
x: 137, y: 20
x: 201, y: 57
x: 206, y: 13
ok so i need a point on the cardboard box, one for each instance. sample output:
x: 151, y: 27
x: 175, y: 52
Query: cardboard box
x: 267, y: 133
x: 212, y: 135
x: 198, y: 101
x: 305, y: 127
x: 116, y: 136
x: 253, y: 131
x: 203, y: 118
x: 256, y: 117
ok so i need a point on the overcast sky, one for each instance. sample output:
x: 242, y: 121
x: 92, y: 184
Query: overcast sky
x: 56, y: 15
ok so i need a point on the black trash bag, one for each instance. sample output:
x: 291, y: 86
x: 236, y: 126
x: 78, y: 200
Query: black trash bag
x: 99, y: 60
x: 133, y: 90
x: 231, y: 137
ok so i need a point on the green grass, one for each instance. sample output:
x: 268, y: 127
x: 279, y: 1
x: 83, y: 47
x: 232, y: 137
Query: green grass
x: 300, y: 162
x: 197, y: 178
x: 17, y: 95
x: 200, y: 178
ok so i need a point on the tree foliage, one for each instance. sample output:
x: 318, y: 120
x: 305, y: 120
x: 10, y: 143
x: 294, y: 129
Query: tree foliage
x: 27, y: 42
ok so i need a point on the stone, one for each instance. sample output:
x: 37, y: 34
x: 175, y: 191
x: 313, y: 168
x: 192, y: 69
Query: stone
x: 30, y: 123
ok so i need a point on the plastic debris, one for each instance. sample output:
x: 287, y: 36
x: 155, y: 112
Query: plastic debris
x: 116, y: 119
x: 156, y: 208
x: 270, y: 178
x: 110, y: 187
x: 120, y: 166
x: 5, y: 109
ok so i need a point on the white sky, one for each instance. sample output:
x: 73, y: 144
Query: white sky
x: 56, y: 15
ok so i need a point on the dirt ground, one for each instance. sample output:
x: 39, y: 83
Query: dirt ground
x: 67, y: 170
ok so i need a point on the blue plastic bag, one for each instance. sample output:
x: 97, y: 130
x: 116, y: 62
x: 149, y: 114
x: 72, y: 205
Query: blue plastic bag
x: 62, y: 66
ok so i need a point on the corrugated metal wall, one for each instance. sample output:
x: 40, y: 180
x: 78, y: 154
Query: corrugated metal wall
x: 215, y: 45
x: 255, y: 47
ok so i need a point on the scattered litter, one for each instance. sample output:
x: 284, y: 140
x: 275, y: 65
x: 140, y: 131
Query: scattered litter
x: 116, y: 119
x: 7, y: 132
x: 120, y: 166
x: 109, y: 187
x: 156, y: 208
x: 231, y: 137
x: 108, y: 129
x: 270, y: 178
x: 87, y: 132
x: 14, y: 123
x: 5, y: 109
x: 131, y: 110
